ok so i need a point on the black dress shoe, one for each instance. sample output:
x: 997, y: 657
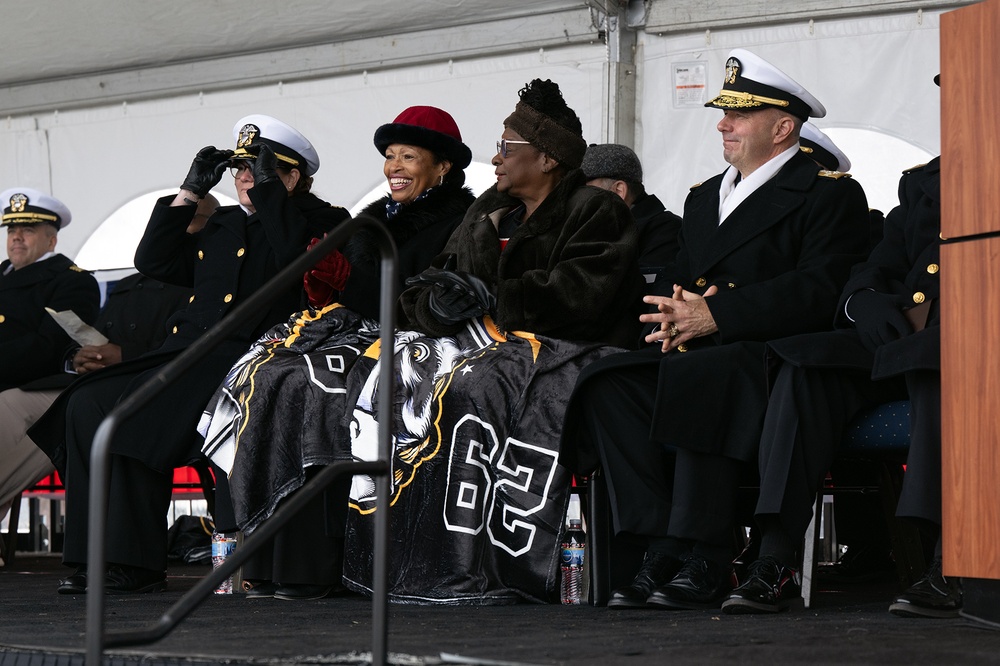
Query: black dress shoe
x: 769, y: 588
x: 860, y: 564
x: 122, y: 579
x: 657, y: 569
x: 301, y: 592
x: 75, y: 583
x: 931, y: 596
x: 700, y: 584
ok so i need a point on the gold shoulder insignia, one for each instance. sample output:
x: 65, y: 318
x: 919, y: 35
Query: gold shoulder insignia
x: 834, y: 174
x: 74, y: 267
x: 915, y: 168
x: 697, y: 185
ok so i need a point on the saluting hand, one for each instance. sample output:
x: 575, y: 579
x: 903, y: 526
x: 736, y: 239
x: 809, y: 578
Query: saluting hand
x: 206, y: 170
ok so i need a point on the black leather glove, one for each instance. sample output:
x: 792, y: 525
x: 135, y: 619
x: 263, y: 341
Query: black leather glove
x: 455, y: 296
x: 877, y: 319
x: 265, y: 167
x: 206, y: 170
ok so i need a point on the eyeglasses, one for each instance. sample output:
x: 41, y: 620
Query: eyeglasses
x: 239, y: 167
x: 503, y: 143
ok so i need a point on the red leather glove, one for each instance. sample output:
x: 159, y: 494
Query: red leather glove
x: 326, y: 278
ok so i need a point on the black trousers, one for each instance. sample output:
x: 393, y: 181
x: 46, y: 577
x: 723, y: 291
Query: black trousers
x: 807, y: 415
x: 656, y: 491
x: 138, y: 498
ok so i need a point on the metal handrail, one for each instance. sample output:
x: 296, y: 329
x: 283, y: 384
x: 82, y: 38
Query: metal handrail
x: 380, y: 469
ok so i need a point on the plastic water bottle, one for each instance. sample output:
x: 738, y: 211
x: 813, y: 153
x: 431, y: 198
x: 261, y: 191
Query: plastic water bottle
x: 573, y: 545
x: 222, y: 546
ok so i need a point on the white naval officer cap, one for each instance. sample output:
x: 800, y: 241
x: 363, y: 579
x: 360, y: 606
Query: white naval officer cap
x: 822, y: 149
x: 291, y: 148
x: 752, y: 82
x: 26, y: 205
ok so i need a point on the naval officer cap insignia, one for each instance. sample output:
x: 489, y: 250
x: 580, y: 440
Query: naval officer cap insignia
x: 293, y: 150
x: 822, y: 149
x: 24, y: 205
x: 752, y: 83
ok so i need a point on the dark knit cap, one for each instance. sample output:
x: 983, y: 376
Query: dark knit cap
x: 427, y: 127
x: 544, y: 119
x: 612, y: 160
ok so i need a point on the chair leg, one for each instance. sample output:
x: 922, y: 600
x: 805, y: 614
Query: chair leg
x: 810, y: 547
x: 207, y: 482
x: 9, y: 541
x: 598, y: 540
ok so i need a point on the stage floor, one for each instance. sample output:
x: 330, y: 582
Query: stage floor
x: 847, y: 625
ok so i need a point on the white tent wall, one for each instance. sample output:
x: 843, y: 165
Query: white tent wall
x: 871, y: 72
x: 104, y: 157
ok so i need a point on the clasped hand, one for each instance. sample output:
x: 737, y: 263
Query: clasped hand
x: 681, y: 317
x: 94, y: 357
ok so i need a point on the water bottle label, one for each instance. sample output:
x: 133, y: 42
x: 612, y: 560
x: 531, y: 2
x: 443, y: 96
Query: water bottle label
x: 572, y: 555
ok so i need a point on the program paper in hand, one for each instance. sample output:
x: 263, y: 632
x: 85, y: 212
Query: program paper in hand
x: 82, y: 333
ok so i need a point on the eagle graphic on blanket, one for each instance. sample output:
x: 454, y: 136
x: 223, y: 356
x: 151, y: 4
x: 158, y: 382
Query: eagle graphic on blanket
x: 478, y: 498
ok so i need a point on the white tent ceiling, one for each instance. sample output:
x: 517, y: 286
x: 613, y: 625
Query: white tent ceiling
x: 48, y: 40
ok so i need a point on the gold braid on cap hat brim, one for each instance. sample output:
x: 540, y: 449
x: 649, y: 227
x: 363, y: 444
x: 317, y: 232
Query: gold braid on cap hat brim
x: 29, y: 218
x: 242, y: 154
x: 547, y: 135
x: 734, y: 99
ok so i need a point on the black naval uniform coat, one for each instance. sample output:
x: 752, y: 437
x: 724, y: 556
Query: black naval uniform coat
x: 224, y: 263
x: 133, y: 317
x: 32, y: 345
x: 779, y: 260
x: 904, y: 265
x: 233, y: 256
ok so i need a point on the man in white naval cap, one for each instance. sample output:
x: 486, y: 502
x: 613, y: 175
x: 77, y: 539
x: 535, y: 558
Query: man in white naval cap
x: 32, y: 345
x: 765, y: 248
x: 885, y: 347
x: 32, y: 278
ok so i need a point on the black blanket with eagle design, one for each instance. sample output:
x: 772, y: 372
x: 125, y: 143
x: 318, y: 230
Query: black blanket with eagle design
x: 478, y: 497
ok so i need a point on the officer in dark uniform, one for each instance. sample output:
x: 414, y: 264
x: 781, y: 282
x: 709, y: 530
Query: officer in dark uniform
x: 32, y: 344
x: 238, y: 251
x: 133, y: 319
x: 765, y: 248
x: 33, y: 278
x: 887, y: 347
x: 614, y: 167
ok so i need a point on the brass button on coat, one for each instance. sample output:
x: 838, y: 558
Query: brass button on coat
x: 201, y: 255
x: 701, y: 282
x: 682, y: 347
x: 2, y: 319
x: 175, y: 330
x: 933, y: 268
x: 228, y: 298
x: 240, y: 252
x: 191, y: 300
x: 732, y: 285
x: 919, y: 297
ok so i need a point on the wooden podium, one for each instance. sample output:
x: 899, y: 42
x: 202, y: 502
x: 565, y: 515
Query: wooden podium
x: 970, y: 310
